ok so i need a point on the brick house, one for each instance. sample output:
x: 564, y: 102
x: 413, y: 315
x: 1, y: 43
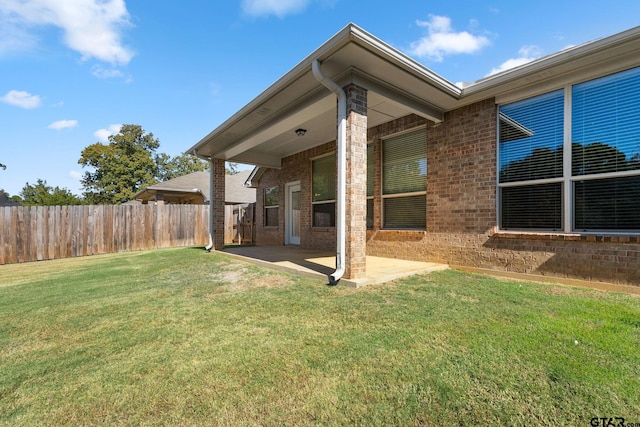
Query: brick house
x: 534, y: 170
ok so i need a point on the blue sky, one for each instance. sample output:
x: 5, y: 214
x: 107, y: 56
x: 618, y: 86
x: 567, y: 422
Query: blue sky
x: 73, y: 71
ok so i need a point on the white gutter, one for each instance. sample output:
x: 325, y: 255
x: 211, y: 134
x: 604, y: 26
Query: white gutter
x: 342, y: 171
x: 210, y: 160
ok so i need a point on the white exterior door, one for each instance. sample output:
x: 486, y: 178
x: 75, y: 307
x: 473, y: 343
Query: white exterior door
x: 292, y: 213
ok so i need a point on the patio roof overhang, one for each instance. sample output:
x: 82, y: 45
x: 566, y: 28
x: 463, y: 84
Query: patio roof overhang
x: 263, y: 132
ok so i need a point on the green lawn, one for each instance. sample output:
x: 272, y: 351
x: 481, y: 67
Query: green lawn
x: 184, y: 337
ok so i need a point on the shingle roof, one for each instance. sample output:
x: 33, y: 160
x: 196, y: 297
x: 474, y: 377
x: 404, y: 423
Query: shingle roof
x: 198, y: 182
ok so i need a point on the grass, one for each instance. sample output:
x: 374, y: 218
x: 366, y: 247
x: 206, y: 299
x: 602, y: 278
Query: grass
x: 184, y: 337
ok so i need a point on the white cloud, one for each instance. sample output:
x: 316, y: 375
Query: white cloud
x: 75, y: 175
x: 526, y: 54
x: 63, y: 124
x: 280, y: 8
x: 112, y: 73
x: 441, y: 40
x: 13, y: 38
x: 103, y: 73
x: 104, y: 134
x: 21, y: 99
x: 91, y: 27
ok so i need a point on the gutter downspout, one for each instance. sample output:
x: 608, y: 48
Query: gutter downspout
x: 210, y: 160
x: 342, y: 170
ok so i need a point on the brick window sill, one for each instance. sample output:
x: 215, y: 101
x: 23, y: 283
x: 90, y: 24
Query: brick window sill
x: 323, y: 229
x: 573, y: 237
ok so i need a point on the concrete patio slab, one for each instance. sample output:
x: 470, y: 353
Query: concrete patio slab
x: 320, y: 264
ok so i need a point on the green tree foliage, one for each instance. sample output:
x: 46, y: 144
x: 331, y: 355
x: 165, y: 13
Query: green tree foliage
x: 185, y: 163
x: 42, y: 194
x: 120, y: 168
x: 129, y: 163
x: 231, y: 168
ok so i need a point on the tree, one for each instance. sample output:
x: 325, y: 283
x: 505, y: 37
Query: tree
x: 42, y: 194
x: 231, y: 168
x: 122, y: 167
x: 185, y: 163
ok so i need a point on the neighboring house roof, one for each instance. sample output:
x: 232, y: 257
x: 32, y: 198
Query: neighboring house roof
x: 6, y: 201
x: 263, y: 132
x: 194, y: 188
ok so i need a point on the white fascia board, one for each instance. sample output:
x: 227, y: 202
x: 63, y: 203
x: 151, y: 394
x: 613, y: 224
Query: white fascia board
x: 384, y: 50
x: 259, y: 159
x: 549, y: 62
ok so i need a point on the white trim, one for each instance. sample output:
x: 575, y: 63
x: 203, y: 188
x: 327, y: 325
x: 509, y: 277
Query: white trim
x: 531, y: 182
x: 402, y: 132
x: 396, y: 195
x: 265, y: 207
x: 567, y: 190
x: 320, y: 156
x: 621, y: 174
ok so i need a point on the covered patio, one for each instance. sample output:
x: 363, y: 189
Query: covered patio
x: 351, y: 83
x: 319, y: 264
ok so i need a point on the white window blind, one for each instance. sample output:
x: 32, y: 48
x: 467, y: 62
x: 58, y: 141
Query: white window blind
x: 531, y: 138
x: 606, y: 140
x: 602, y: 184
x: 404, y: 159
x: 404, y: 180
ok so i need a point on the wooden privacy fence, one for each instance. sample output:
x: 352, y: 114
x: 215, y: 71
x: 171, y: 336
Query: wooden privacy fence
x: 34, y: 233
x: 238, y: 223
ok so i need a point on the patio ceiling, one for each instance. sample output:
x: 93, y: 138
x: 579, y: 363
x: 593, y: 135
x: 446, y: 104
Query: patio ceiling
x: 263, y: 132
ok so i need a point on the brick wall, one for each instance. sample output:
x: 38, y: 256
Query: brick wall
x: 294, y: 168
x: 461, y: 210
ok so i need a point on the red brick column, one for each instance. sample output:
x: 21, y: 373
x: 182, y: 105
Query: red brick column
x: 356, y: 182
x: 218, y: 203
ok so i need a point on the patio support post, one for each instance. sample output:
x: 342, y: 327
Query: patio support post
x: 356, y: 182
x: 217, y: 203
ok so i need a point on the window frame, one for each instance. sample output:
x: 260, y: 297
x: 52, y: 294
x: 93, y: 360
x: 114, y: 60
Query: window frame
x: 568, y: 180
x: 385, y: 197
x: 322, y: 202
x: 275, y: 208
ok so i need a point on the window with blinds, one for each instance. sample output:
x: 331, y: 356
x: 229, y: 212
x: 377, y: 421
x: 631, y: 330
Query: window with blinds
x: 605, y: 160
x: 323, y: 189
x: 531, y: 138
x: 404, y: 180
x: 271, y: 206
x: 600, y: 191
